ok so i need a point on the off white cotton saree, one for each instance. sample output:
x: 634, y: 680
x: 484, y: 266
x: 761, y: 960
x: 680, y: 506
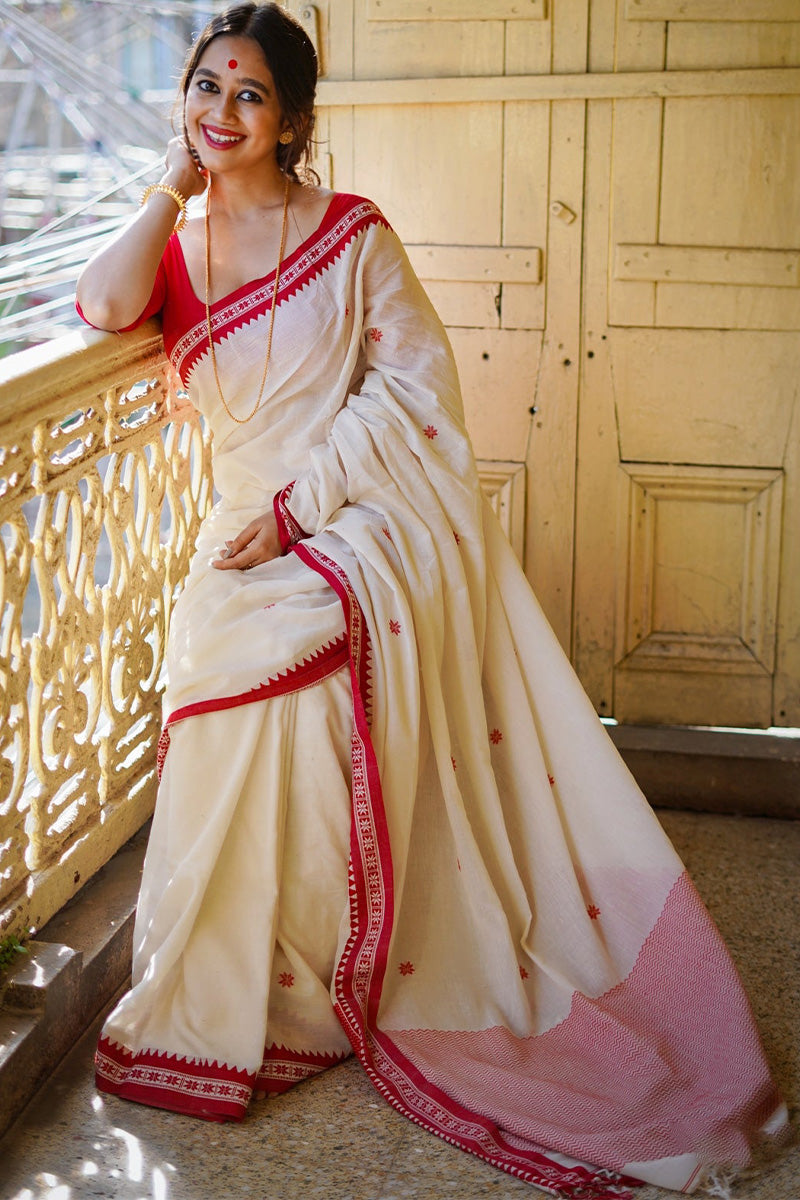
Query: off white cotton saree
x: 390, y: 822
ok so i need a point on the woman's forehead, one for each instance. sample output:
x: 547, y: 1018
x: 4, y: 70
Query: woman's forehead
x: 238, y: 54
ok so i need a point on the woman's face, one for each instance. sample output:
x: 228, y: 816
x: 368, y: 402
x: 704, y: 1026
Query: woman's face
x: 232, y: 113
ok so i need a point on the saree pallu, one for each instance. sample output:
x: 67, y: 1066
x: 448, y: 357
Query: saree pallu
x: 390, y: 822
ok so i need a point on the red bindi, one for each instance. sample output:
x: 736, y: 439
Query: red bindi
x: 233, y: 64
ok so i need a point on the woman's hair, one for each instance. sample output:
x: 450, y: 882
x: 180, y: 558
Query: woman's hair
x: 290, y: 55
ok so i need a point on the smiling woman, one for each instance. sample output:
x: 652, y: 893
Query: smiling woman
x: 290, y: 75
x: 389, y: 821
x: 229, y: 107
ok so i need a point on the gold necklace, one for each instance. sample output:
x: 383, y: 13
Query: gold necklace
x: 233, y: 417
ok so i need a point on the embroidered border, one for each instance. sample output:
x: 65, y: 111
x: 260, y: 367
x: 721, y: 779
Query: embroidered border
x: 360, y: 972
x: 194, y: 343
x: 282, y: 1067
x: 212, y: 1090
x: 289, y: 531
x: 318, y: 665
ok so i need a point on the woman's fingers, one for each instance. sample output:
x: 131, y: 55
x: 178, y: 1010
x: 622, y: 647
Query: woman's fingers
x: 239, y: 553
x: 244, y: 538
x: 257, y: 543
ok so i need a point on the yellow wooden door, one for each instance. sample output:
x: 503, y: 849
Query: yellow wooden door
x: 687, y: 600
x: 601, y: 197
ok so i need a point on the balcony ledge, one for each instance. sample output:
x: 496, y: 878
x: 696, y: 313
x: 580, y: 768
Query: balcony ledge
x: 73, y: 362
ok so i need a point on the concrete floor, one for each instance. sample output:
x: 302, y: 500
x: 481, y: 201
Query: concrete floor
x: 333, y: 1137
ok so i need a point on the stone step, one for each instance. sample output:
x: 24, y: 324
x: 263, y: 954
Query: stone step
x: 75, y: 965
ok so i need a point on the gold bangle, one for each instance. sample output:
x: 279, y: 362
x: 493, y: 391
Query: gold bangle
x: 168, y: 191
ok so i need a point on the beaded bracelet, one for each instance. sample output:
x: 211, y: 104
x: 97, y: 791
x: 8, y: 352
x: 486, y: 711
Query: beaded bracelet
x: 168, y: 191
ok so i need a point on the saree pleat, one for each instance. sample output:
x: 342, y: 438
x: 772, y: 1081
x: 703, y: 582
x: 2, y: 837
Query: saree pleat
x: 228, y: 943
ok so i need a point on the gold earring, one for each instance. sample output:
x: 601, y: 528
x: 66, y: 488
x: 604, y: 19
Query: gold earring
x: 286, y: 137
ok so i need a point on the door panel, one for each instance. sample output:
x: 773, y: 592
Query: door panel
x: 740, y: 392
x: 697, y: 604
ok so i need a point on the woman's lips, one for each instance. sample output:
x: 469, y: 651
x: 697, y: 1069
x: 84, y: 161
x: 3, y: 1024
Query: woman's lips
x: 220, y: 139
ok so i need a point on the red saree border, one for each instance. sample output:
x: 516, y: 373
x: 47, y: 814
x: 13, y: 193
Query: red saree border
x: 283, y: 1067
x: 347, y: 217
x: 289, y: 531
x: 315, y: 667
x: 361, y: 970
x: 202, y: 1088
x: 198, y: 1087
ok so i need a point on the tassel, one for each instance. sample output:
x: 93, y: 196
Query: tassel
x: 718, y: 1183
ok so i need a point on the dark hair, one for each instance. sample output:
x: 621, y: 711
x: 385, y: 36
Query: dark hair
x: 290, y: 55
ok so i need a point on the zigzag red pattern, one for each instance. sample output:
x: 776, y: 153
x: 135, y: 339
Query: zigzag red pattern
x: 337, y: 230
x: 161, y: 752
x: 317, y: 666
x: 282, y: 1067
x: 211, y: 1090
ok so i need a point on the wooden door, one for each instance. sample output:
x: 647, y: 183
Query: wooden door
x: 687, y: 601
x: 602, y: 201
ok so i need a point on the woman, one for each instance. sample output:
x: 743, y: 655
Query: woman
x: 389, y: 820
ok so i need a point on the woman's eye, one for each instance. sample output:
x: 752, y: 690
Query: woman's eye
x: 206, y: 85
x: 248, y: 95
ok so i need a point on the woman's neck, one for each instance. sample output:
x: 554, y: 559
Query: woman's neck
x: 237, y: 196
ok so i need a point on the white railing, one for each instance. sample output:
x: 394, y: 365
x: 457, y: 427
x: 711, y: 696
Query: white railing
x: 101, y: 496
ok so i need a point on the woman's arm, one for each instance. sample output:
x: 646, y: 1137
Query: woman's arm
x: 116, y: 283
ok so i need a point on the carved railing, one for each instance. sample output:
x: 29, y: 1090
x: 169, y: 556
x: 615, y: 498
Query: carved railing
x: 101, y: 496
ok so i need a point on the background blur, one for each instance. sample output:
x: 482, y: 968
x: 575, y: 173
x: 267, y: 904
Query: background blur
x: 84, y: 110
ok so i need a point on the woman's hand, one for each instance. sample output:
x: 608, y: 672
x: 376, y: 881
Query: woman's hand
x: 256, y: 544
x: 183, y: 172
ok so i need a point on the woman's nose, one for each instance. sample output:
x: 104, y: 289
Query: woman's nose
x: 226, y: 102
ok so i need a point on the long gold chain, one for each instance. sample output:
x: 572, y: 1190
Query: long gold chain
x: 233, y: 417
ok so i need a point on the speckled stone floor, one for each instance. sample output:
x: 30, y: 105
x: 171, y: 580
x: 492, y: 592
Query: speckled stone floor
x: 333, y: 1137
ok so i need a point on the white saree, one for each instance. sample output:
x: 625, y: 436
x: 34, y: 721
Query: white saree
x: 389, y: 821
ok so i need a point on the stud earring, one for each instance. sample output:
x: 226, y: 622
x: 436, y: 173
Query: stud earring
x: 286, y: 137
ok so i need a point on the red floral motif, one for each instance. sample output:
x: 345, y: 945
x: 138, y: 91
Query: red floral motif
x: 395, y: 627
x: 386, y: 533
x: 286, y: 979
x: 453, y: 761
x: 593, y: 911
x: 347, y: 310
x: 376, y: 334
x: 431, y: 432
x: 406, y: 968
x: 495, y: 737
x: 523, y: 974
x: 551, y: 780
x: 458, y: 539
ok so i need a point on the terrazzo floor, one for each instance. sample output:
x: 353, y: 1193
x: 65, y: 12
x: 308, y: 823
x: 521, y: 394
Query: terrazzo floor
x: 334, y: 1138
